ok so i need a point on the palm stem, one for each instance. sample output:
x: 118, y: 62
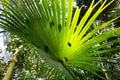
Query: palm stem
x: 69, y: 70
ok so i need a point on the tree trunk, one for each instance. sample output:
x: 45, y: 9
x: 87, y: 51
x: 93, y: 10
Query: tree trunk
x: 10, y: 68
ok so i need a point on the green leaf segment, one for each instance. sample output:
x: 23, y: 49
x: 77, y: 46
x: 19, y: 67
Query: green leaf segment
x: 57, y: 35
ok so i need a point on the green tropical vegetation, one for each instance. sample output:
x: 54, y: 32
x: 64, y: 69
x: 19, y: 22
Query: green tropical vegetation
x: 51, y: 40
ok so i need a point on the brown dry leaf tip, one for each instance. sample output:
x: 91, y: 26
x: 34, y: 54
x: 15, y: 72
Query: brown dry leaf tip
x: 66, y: 59
x: 51, y: 24
x: 59, y: 27
x: 46, y: 48
x: 69, y: 44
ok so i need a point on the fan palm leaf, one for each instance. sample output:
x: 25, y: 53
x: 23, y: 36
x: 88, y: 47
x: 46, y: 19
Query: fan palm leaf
x: 51, y: 28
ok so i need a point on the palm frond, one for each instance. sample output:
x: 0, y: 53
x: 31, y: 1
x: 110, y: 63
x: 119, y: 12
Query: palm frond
x: 49, y: 26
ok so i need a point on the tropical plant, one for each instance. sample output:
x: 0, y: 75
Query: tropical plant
x: 110, y: 12
x: 68, y: 47
x: 26, y: 56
